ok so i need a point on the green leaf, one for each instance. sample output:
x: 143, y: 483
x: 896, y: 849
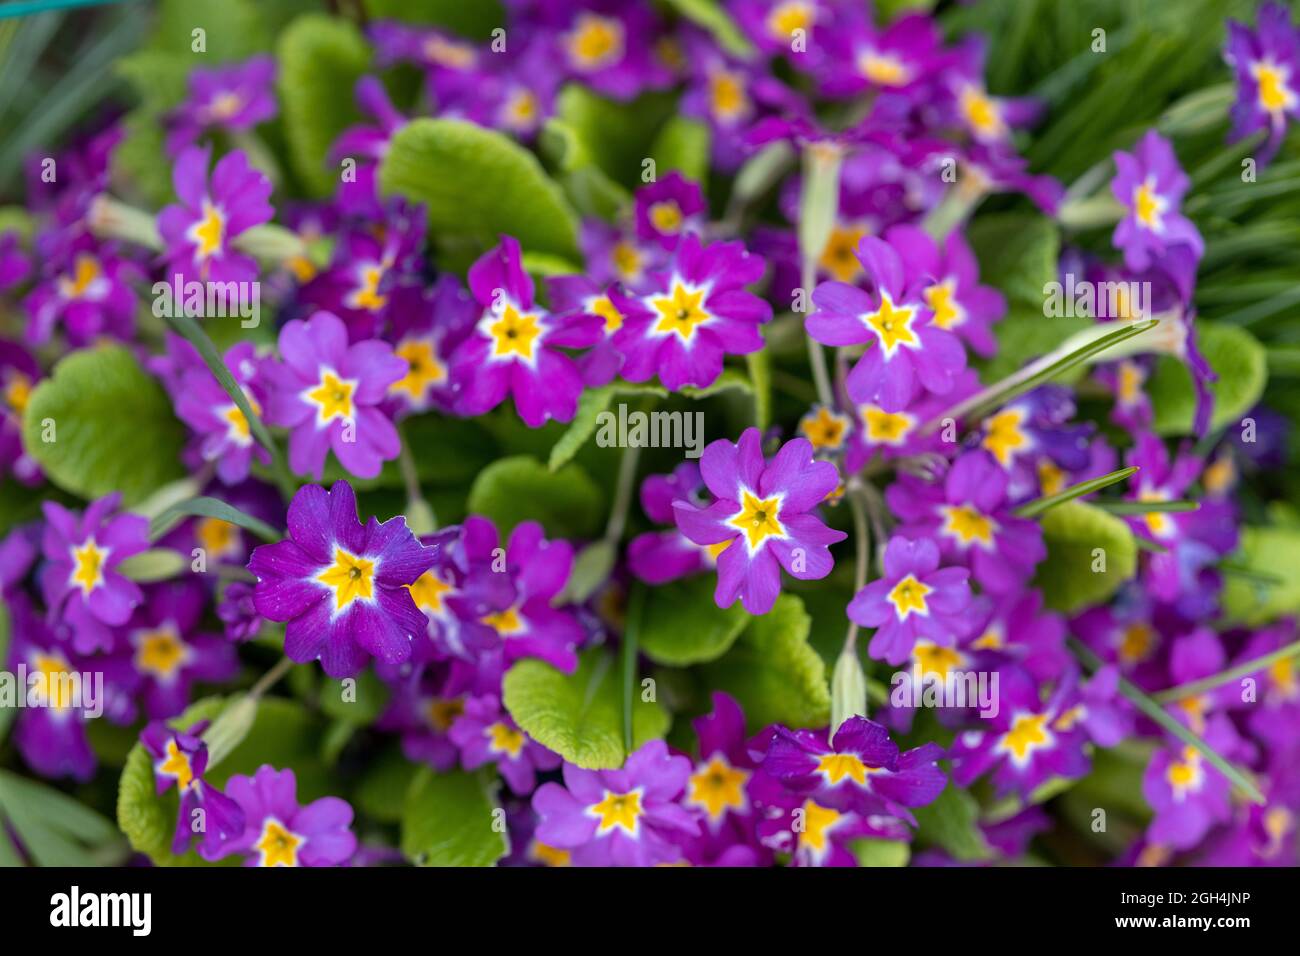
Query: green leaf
x: 683, y: 145
x: 591, y: 569
x: 1236, y: 357
x: 155, y: 564
x: 1072, y: 533
x: 881, y: 852
x: 616, y: 137
x: 381, y: 794
x: 320, y: 59
x: 114, y: 429
x: 449, y: 819
x: 6, y: 626
x: 368, y: 694
x: 1025, y: 334
x: 593, y: 403
x: 1018, y: 254
x: 683, y: 625
x: 566, y: 502
x: 710, y: 15
x: 54, y: 828
x: 284, y: 735
x: 232, y: 29
x: 478, y: 184
x: 580, y: 715
x: 848, y: 689
x: 773, y: 670
x: 951, y: 823
x: 205, y: 507
x: 1267, y: 550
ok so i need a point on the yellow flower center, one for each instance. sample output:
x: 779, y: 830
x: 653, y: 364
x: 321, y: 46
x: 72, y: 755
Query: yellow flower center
x: 444, y: 52
x: 666, y: 216
x: 1069, y: 718
x: 818, y: 821
x: 366, y: 295
x: 351, y: 577
x: 506, y: 623
x: 160, y: 652
x: 549, y: 855
x: 1282, y: 674
x: 1028, y: 733
x: 443, y: 711
x: 839, y: 257
x: 626, y: 260
x: 1136, y: 643
x: 788, y: 17
x: 1219, y: 475
x: 681, y: 311
x: 55, y: 674
x: 237, y: 429
x: 85, y: 270
x: 333, y: 397
x: 278, y: 845
x: 422, y: 368
x: 18, y: 391
x: 88, y: 566
x: 727, y: 95
x: 930, y: 658
x: 966, y: 525
x: 177, y: 765
x: 908, y: 597
x: 948, y: 313
x: 718, y: 787
x: 522, y: 109
x: 981, y: 113
x: 596, y: 42
x: 1148, y: 205
x: 883, y: 69
x: 757, y: 518
x: 836, y: 767
x: 209, y: 231
x: 427, y: 592
x: 515, y: 333
x: 217, y: 538
x: 225, y: 105
x: 1051, y: 479
x: 1158, y: 522
x: 504, y: 739
x: 1274, y: 93
x: 824, y: 429
x: 1004, y: 435
x: 893, y: 326
x: 618, y: 810
x: 603, y: 307
x: 886, y: 428
x: 1186, y: 774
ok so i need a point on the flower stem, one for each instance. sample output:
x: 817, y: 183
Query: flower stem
x: 622, y: 494
x: 269, y: 679
x: 863, y: 540
x: 1196, y: 687
x: 420, y: 516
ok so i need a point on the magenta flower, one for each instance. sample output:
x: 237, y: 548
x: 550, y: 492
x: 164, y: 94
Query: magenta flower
x: 328, y: 392
x: 234, y: 97
x: 80, y: 580
x: 513, y: 349
x: 658, y: 557
x: 692, y: 316
x: 1188, y: 795
x: 426, y: 334
x: 627, y: 817
x: 611, y: 48
x: 574, y: 296
x: 87, y: 289
x: 914, y: 600
x: 179, y: 759
x: 15, y: 264
x: 1267, y: 64
x: 860, y: 770
x: 1150, y: 184
x: 198, y: 233
x: 19, y: 374
x: 280, y: 832
x: 486, y: 734
x: 973, y: 522
x: 896, y: 59
x: 342, y: 588
x: 761, y: 518
x: 905, y: 349
x: 668, y: 208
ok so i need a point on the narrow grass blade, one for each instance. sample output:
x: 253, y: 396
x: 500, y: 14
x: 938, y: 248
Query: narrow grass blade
x: 1036, y: 507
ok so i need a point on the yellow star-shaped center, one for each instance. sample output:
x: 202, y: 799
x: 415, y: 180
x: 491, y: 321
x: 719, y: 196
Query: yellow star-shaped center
x: 758, y: 518
x: 1004, y: 436
x: 681, y: 311
x: 618, y: 810
x: 176, y: 764
x: 85, y: 271
x: 981, y: 113
x: 217, y: 538
x: 839, y: 256
x: 908, y: 597
x: 506, y: 623
x: 443, y: 711
x: 941, y: 298
x: 366, y: 295
x: 1028, y: 733
x: 1136, y: 642
x: 718, y: 787
x: 427, y: 592
x: 727, y: 95
x: 351, y: 577
x: 504, y: 739
x: 88, y: 565
x: 602, y: 306
x: 1185, y: 774
x: 237, y: 428
x: 837, y: 767
x: 893, y: 326
x: 787, y: 17
x: 208, y: 233
x: 423, y: 370
x: 966, y: 524
x: 278, y: 845
x: 930, y: 658
x: 332, y: 397
x: 55, y: 679
x: 883, y: 69
x: 515, y: 333
x: 666, y: 216
x: 886, y: 428
x: 160, y: 652
x: 1149, y: 206
x: 1275, y: 95
x: 817, y: 824
x: 596, y: 42
x: 18, y: 391
x: 824, y: 429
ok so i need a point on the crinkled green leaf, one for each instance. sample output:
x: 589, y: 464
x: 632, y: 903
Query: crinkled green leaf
x: 682, y: 624
x: 320, y: 60
x: 449, y: 819
x: 114, y: 428
x: 1236, y: 357
x: 580, y: 715
x: 1272, y: 551
x: 683, y: 145
x: 476, y: 185
x: 1073, y: 532
x: 773, y: 670
x: 381, y: 794
x: 591, y: 405
x: 357, y: 700
x: 1018, y: 254
x: 951, y: 823
x: 566, y: 502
